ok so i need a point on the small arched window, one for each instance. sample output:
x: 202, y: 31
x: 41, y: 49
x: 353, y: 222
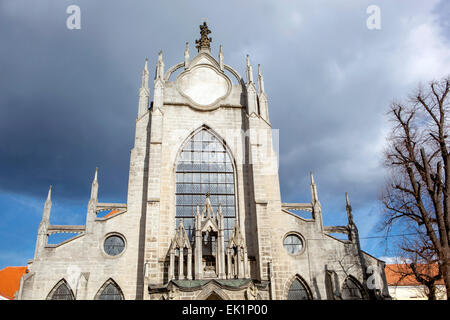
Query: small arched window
x: 61, y: 292
x: 351, y: 290
x: 298, y: 291
x: 110, y: 291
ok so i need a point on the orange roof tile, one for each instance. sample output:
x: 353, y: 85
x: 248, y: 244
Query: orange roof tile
x: 394, y: 273
x: 10, y: 280
x: 111, y: 213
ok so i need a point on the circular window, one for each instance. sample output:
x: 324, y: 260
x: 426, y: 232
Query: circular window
x: 293, y: 244
x: 114, y: 245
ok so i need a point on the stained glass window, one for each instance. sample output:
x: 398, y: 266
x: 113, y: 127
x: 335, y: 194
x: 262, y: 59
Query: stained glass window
x: 298, y: 291
x: 293, y: 244
x: 204, y: 166
x: 114, y: 245
x: 110, y: 292
x: 62, y: 292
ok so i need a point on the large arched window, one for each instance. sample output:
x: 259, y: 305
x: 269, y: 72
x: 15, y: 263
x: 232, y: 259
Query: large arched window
x: 299, y: 290
x: 204, y: 166
x: 109, y: 291
x: 61, y: 292
x: 352, y: 290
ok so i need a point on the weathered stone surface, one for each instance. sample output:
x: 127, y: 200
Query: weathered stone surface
x: 234, y: 112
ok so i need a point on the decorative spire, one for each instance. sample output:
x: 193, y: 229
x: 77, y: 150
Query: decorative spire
x: 186, y: 55
x: 47, y: 206
x: 144, y: 91
x: 348, y: 208
x: 94, y: 187
x: 159, y: 67
x: 180, y: 231
x: 49, y: 196
x: 144, y: 82
x: 315, y: 197
x: 260, y: 80
x: 236, y: 237
x: 203, y: 44
x: 249, y: 71
x: 220, y: 57
x: 209, y: 212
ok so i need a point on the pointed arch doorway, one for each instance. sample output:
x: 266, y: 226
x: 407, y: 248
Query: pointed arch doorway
x: 213, y: 296
x: 212, y: 292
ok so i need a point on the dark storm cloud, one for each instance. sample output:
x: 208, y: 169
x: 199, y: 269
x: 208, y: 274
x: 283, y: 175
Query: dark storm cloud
x: 69, y: 97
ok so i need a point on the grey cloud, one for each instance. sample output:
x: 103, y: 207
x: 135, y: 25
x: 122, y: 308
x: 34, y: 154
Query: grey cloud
x: 69, y: 98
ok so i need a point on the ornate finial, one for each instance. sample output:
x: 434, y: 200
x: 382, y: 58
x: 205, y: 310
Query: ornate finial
x: 249, y: 71
x: 204, y: 41
x: 49, y: 195
x: 220, y: 57
x: 94, y: 186
x: 315, y: 197
x: 207, y: 208
x: 47, y: 206
x: 186, y: 55
x: 160, y: 67
x: 260, y: 80
x: 348, y: 208
x: 144, y: 81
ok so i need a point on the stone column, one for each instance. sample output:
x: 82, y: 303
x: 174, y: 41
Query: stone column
x: 246, y: 264
x: 171, y: 265
x: 229, y: 263
x: 198, y: 254
x: 189, y: 264
x: 221, y: 255
x: 240, y: 263
x: 181, y: 264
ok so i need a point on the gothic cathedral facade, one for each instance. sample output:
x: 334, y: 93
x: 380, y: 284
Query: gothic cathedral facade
x: 204, y: 217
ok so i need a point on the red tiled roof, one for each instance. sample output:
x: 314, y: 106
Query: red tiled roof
x: 394, y: 273
x: 10, y: 280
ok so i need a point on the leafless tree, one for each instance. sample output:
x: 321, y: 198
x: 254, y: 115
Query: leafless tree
x: 417, y: 192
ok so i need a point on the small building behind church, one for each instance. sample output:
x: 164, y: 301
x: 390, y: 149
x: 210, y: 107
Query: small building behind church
x: 403, y: 285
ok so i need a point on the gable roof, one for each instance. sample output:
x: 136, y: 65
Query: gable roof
x: 10, y: 281
x: 395, y: 272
